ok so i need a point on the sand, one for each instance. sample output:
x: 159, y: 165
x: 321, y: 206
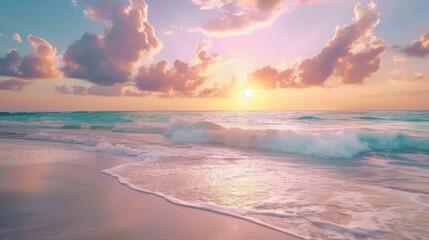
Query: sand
x: 74, y: 200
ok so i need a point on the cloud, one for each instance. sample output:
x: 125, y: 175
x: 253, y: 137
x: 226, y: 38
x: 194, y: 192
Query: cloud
x: 239, y: 16
x: 352, y: 55
x: 400, y: 75
x: 231, y: 89
x: 130, y: 93
x: 9, y: 63
x: 113, y: 91
x: 271, y: 78
x: 418, y: 48
x: 17, y: 37
x: 96, y: 90
x: 109, y: 59
x: 62, y: 89
x: 236, y: 17
x: 40, y: 64
x: 13, y: 84
x: 79, y: 90
x: 180, y: 79
x: 105, y: 91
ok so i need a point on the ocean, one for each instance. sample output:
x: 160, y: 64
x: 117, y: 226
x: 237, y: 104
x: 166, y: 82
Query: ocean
x: 313, y: 174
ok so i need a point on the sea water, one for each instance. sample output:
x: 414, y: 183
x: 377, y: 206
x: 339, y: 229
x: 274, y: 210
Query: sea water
x: 313, y: 174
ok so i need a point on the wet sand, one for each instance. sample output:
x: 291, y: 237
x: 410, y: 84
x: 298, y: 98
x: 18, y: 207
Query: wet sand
x: 74, y: 200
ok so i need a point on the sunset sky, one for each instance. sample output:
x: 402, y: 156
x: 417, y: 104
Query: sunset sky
x: 214, y: 55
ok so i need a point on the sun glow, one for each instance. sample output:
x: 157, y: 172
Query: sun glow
x: 246, y: 93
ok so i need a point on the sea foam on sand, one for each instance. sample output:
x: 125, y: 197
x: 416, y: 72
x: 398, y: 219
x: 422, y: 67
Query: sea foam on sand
x: 299, y: 199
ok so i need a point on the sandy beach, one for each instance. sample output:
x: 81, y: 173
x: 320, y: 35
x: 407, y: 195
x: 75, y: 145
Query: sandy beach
x: 75, y: 200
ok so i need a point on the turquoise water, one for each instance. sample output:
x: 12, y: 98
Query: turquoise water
x: 322, y: 134
x: 313, y: 174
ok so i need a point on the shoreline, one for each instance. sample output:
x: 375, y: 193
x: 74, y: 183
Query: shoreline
x: 209, y: 208
x: 75, y: 200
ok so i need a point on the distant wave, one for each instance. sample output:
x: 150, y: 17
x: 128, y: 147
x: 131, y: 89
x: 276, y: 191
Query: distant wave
x: 397, y: 119
x: 54, y: 125
x: 308, y: 118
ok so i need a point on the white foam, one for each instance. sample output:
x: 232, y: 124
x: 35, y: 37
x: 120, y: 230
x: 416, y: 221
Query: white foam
x: 117, y: 149
x: 286, y: 196
x: 344, y: 143
x: 238, y: 213
x: 56, y: 138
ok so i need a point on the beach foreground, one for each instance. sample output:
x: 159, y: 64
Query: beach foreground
x: 312, y: 175
x: 75, y: 200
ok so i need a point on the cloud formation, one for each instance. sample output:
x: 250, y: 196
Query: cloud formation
x: 271, y: 78
x: 352, y: 55
x: 418, y: 48
x: 40, y: 64
x: 109, y: 59
x: 236, y: 17
x: 96, y: 90
x: 17, y: 37
x: 13, y: 84
x: 114, y: 91
x: 239, y: 16
x: 180, y: 79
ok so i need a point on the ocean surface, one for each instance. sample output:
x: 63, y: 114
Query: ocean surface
x: 313, y: 174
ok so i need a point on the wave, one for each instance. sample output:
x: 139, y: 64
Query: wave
x: 308, y: 118
x: 394, y: 119
x: 345, y: 143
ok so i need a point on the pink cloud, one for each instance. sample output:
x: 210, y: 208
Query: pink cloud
x: 270, y: 78
x: 13, y: 84
x: 110, y: 58
x: 180, y: 79
x: 40, y: 64
x: 352, y: 55
x: 239, y: 17
x: 96, y: 90
x: 340, y: 54
x: 17, y: 37
x: 107, y: 91
x: 236, y: 17
x: 418, y: 48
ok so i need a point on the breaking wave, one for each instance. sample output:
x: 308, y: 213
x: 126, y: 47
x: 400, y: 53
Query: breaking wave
x: 344, y: 143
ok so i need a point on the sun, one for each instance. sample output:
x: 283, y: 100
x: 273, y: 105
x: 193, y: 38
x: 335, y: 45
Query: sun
x: 246, y: 93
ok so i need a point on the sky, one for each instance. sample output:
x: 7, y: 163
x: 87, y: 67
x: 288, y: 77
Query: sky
x: 148, y: 55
